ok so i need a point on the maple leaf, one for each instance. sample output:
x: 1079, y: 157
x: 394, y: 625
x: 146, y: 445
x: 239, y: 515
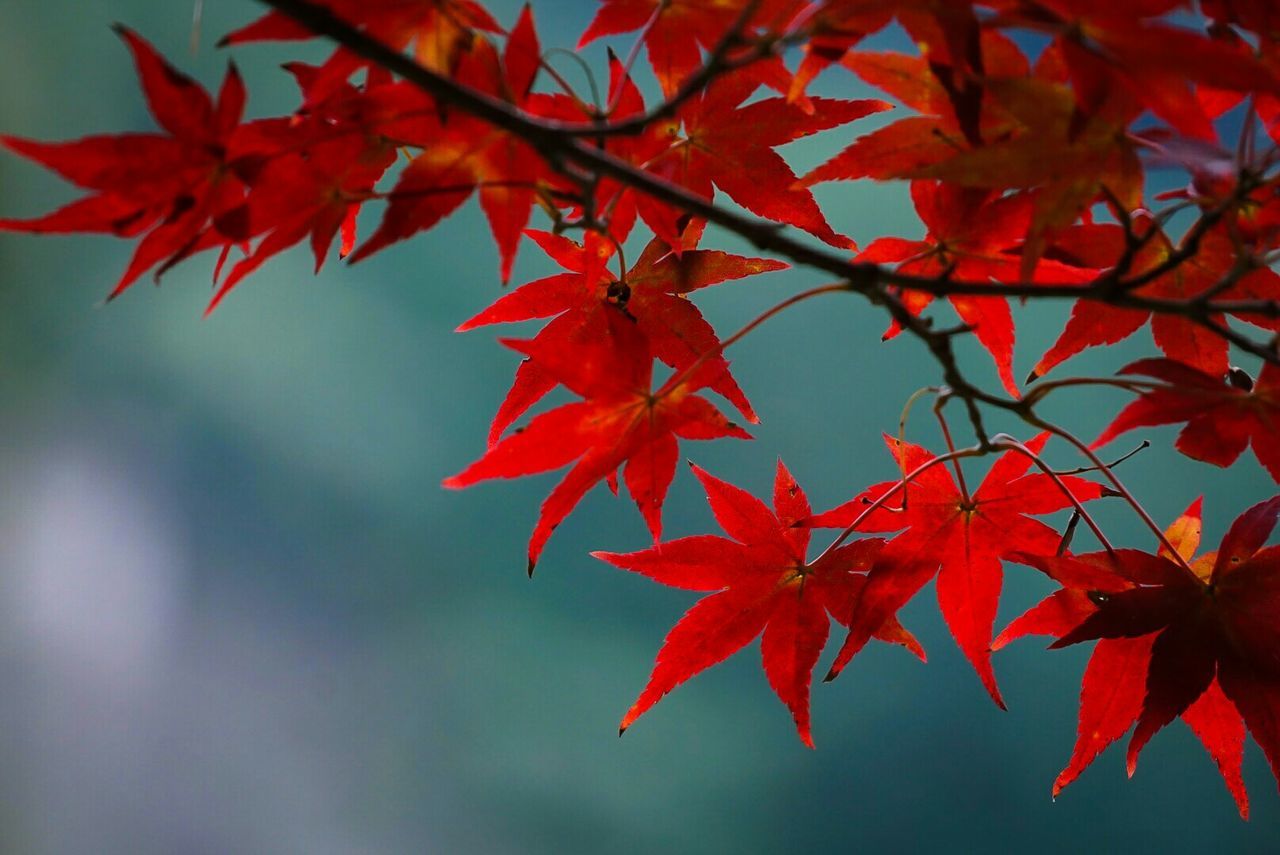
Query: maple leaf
x: 440, y: 32
x: 832, y: 34
x: 1196, y: 640
x: 763, y: 584
x: 387, y: 110
x: 1031, y: 135
x: 1105, y: 49
x: 616, y: 205
x: 163, y: 186
x: 911, y: 144
x: 312, y: 194
x: 1069, y: 157
x: 974, y: 236
x: 1222, y: 416
x: 308, y: 174
x: 621, y: 420
x: 947, y: 33
x: 676, y: 31
x: 718, y: 141
x: 1091, y: 323
x: 960, y: 537
x: 469, y: 154
x: 652, y: 292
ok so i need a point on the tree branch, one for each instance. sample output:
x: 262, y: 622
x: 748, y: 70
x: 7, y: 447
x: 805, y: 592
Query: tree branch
x: 559, y: 143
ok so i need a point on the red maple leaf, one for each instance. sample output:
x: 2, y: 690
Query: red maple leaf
x: 309, y: 191
x: 936, y: 135
x: 386, y: 110
x: 1201, y: 643
x: 1029, y: 134
x: 467, y: 154
x: 676, y: 31
x: 961, y: 537
x: 621, y: 420
x: 652, y: 292
x: 614, y: 204
x: 974, y: 236
x: 309, y: 173
x: 763, y: 584
x: 1099, y: 246
x: 1223, y: 416
x: 1106, y: 48
x: 718, y: 141
x: 832, y: 34
x: 163, y: 186
x: 439, y: 31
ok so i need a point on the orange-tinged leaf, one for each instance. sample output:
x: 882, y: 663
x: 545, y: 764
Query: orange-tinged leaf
x: 1184, y: 532
x: 1174, y: 643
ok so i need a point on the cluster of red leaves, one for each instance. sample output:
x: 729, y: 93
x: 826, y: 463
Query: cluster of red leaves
x: 1026, y: 170
x: 770, y: 586
x: 1223, y: 415
x: 958, y: 536
x: 1178, y: 636
x: 763, y: 584
x: 166, y: 187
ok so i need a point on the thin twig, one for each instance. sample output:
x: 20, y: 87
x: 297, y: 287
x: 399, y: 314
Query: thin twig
x: 1005, y: 441
x: 1119, y: 486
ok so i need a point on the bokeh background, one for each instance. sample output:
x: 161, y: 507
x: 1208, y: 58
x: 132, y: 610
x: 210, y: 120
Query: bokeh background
x: 238, y: 614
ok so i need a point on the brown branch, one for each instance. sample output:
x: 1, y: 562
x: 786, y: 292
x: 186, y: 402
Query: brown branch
x: 560, y: 145
x: 718, y: 62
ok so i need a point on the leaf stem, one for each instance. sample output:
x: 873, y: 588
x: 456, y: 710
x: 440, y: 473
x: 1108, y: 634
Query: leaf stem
x: 1006, y: 441
x: 951, y: 447
x: 564, y: 84
x: 634, y: 54
x: 1119, y: 486
x: 974, y: 451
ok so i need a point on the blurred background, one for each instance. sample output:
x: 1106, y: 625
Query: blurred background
x: 238, y: 613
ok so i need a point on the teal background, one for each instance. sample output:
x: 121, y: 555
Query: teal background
x: 238, y: 614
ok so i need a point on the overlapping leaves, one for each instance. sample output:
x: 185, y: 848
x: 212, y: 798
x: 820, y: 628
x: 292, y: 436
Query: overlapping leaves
x: 1178, y: 636
x: 1027, y: 173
